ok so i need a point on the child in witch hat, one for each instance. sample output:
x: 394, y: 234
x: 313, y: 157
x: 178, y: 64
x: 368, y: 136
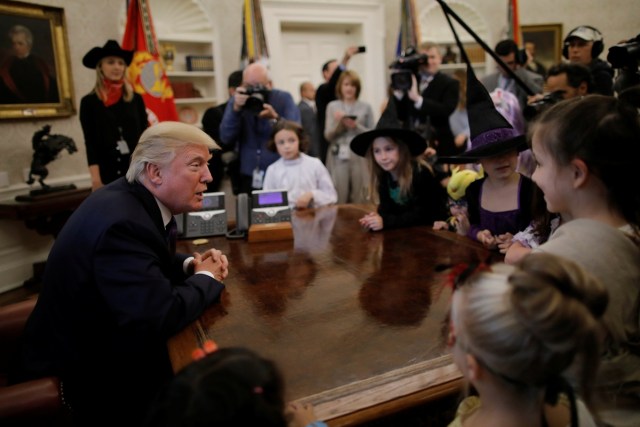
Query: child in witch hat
x: 400, y: 180
x: 499, y: 204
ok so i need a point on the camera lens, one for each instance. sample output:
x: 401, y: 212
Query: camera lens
x: 401, y: 80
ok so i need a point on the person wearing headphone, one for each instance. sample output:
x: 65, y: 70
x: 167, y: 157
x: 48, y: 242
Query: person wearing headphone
x: 583, y: 45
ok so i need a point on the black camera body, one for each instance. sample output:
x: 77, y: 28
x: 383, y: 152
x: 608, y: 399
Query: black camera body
x: 404, y: 66
x: 535, y: 108
x: 258, y: 95
x: 625, y: 54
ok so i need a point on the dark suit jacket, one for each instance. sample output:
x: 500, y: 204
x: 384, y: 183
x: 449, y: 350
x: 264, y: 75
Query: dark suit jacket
x: 112, y: 295
x: 440, y: 99
x: 211, y: 125
x: 326, y: 93
x: 309, y: 120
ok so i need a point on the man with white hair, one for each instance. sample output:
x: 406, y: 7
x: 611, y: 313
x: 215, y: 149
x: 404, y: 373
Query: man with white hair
x: 249, y: 119
x: 114, y: 290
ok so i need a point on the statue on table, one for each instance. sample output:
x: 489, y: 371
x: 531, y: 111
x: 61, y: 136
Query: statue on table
x: 46, y: 148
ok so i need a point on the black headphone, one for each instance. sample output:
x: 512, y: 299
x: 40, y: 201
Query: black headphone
x: 595, y: 37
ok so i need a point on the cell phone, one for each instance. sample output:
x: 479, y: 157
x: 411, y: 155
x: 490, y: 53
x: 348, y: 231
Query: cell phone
x: 362, y: 49
x: 351, y: 117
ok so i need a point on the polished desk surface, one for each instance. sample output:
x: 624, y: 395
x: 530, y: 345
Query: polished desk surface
x: 355, y: 319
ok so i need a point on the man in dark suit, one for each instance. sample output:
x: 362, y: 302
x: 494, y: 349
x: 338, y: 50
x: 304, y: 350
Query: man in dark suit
x: 211, y: 125
x: 427, y: 105
x: 515, y: 59
x: 326, y: 92
x: 309, y: 117
x: 114, y: 290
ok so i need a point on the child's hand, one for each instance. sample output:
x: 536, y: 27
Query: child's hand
x: 440, y: 225
x: 462, y: 224
x: 504, y: 241
x: 300, y: 414
x: 371, y: 221
x: 304, y: 200
x: 487, y: 239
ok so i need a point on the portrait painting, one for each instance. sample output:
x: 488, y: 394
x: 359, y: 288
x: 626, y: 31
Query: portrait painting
x: 547, y: 39
x: 35, y: 78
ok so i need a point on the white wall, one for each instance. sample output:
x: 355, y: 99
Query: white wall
x: 91, y: 23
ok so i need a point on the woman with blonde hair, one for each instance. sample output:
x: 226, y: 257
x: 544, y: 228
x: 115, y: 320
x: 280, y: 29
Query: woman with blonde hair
x: 112, y: 115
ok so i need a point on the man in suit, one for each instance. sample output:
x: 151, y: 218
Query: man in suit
x: 309, y: 117
x: 326, y: 92
x: 427, y: 105
x: 211, y: 125
x: 515, y: 59
x: 114, y: 290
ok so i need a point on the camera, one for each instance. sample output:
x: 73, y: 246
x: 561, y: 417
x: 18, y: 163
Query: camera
x: 625, y: 57
x: 404, y: 66
x: 535, y: 108
x: 625, y: 54
x: 258, y: 95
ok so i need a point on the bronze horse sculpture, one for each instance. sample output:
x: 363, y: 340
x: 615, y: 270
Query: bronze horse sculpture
x: 46, y: 148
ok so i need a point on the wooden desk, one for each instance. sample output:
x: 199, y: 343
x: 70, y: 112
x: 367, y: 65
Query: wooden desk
x: 46, y: 214
x: 354, y: 319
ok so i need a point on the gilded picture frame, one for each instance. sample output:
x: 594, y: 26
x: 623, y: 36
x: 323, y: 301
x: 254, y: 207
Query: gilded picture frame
x: 35, y: 70
x: 548, y: 42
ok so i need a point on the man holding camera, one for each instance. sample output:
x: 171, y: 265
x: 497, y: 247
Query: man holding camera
x: 249, y: 119
x: 514, y: 58
x: 424, y: 98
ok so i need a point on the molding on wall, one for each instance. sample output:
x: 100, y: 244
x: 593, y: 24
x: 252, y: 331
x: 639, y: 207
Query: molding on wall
x: 367, y: 14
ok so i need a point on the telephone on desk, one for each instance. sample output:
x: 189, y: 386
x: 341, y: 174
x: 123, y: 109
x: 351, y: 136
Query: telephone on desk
x: 261, y: 208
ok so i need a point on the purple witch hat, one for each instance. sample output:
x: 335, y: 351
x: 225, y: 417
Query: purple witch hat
x: 491, y: 133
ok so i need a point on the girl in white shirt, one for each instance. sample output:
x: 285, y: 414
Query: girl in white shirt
x: 305, y: 178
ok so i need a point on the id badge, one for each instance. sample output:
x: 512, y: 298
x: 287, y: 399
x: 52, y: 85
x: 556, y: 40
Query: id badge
x: 344, y: 152
x: 123, y: 147
x: 258, y: 177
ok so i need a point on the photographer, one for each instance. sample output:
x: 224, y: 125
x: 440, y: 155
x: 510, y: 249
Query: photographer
x: 425, y: 104
x: 564, y: 81
x: 249, y: 119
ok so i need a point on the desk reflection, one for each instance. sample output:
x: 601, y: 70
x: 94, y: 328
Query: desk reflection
x: 353, y: 318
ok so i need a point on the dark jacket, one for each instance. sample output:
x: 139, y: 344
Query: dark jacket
x: 523, y: 217
x: 104, y: 126
x: 112, y: 296
x: 602, y: 77
x: 440, y: 99
x: 426, y: 203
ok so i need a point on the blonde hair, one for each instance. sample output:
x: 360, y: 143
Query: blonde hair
x: 529, y: 323
x: 159, y: 144
x: 101, y: 91
x: 405, y: 169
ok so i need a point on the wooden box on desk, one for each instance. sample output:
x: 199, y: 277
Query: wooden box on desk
x: 270, y: 232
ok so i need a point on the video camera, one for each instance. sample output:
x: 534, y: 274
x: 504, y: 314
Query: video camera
x: 535, y: 108
x: 626, y: 57
x: 404, y: 66
x: 258, y: 95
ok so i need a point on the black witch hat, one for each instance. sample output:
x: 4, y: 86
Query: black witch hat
x: 491, y: 133
x: 392, y: 128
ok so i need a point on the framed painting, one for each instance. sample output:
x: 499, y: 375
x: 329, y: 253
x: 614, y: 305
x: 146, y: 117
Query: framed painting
x: 35, y: 71
x: 547, y: 41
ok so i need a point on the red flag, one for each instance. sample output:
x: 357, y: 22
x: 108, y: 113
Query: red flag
x: 146, y: 73
x: 514, y: 21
